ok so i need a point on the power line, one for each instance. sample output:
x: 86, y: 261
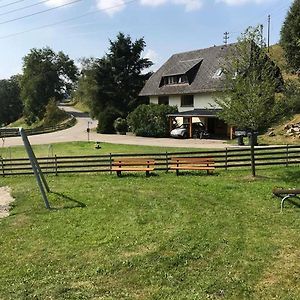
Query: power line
x: 39, y: 12
x: 66, y: 20
x: 272, y: 9
x: 24, y: 7
x: 11, y: 3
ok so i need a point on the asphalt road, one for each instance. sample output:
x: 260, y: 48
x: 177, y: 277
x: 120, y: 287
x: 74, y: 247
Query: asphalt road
x: 79, y: 133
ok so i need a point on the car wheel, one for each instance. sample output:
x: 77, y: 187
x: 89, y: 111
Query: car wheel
x: 200, y: 135
x: 185, y: 135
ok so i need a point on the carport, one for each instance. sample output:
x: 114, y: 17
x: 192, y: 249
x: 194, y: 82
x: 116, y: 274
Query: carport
x: 214, y: 125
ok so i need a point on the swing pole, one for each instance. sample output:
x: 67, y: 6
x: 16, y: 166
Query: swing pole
x: 42, y: 183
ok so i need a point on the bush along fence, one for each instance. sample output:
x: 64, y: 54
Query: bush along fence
x: 39, y: 130
x: 225, y: 159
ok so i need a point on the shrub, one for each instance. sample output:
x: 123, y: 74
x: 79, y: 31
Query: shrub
x: 292, y: 96
x: 120, y: 125
x: 151, y: 120
x: 106, y: 120
x: 53, y: 114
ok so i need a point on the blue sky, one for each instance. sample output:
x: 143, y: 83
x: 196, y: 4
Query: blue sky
x: 168, y: 26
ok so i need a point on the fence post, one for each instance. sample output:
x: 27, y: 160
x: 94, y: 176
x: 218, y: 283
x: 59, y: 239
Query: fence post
x: 167, y: 161
x: 226, y: 159
x: 55, y: 157
x: 2, y: 164
x: 287, y: 155
x: 110, y: 163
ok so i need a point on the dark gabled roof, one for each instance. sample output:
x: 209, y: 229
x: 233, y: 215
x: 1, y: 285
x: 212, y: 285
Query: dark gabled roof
x: 210, y: 60
x: 197, y: 113
x: 182, y: 67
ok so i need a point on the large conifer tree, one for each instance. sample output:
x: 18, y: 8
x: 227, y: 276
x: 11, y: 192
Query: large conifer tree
x: 290, y: 37
x: 110, y: 85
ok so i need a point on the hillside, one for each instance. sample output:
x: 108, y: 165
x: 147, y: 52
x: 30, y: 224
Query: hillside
x: 277, y: 55
x: 280, y: 133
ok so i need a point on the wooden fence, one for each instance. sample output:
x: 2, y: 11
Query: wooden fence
x: 226, y: 158
x: 13, y: 132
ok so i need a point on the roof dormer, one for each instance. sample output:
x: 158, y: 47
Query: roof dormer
x: 182, y: 73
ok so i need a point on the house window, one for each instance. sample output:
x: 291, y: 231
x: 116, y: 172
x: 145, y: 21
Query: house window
x: 218, y: 73
x: 176, y: 79
x: 187, y: 100
x: 163, y: 100
x: 182, y: 79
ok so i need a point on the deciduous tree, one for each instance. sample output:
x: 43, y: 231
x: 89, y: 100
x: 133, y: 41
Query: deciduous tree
x: 251, y: 80
x: 11, y: 105
x: 46, y: 75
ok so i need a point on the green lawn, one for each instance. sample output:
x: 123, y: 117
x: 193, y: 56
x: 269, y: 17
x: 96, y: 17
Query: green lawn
x: 163, y: 237
x: 84, y: 148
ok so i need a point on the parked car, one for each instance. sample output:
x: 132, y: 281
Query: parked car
x: 198, y: 131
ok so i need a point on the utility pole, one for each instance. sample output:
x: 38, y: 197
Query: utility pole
x: 226, y: 38
x: 269, y: 23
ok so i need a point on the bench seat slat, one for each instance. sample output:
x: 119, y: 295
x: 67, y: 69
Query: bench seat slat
x: 131, y: 169
x: 192, y: 168
x: 280, y: 192
x: 133, y: 163
x: 192, y: 159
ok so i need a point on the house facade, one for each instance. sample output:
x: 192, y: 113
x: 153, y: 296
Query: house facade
x: 191, y: 81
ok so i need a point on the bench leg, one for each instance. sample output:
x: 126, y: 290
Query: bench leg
x: 177, y: 172
x: 119, y: 173
x: 147, y: 173
x: 287, y: 197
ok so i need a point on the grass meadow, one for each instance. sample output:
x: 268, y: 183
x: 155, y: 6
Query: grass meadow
x: 84, y: 148
x: 164, y: 237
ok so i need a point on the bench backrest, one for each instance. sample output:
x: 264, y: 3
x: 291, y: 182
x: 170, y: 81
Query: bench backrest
x: 192, y: 160
x: 133, y: 162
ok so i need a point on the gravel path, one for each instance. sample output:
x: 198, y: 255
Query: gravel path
x: 79, y: 133
x: 5, y: 200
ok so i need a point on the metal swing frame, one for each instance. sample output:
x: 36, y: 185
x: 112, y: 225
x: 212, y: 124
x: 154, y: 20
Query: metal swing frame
x: 40, y: 178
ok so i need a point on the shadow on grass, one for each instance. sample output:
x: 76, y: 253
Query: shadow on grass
x: 136, y: 175
x: 291, y: 175
x: 74, y: 203
x: 294, y: 202
x: 195, y: 173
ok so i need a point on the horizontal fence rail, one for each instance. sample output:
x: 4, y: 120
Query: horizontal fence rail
x: 226, y: 159
x: 13, y: 132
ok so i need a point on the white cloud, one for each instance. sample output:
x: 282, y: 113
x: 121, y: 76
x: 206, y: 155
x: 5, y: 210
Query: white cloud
x: 241, y: 2
x: 154, y: 57
x: 110, y: 6
x: 113, y: 6
x: 153, y: 2
x: 190, y: 5
x: 54, y: 3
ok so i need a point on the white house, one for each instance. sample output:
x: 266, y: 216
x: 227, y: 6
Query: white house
x: 190, y: 80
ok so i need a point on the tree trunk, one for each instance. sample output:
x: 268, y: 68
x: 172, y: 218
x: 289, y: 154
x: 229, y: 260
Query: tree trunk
x: 252, y: 153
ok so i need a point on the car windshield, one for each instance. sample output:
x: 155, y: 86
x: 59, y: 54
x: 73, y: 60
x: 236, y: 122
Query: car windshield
x: 195, y: 125
x: 183, y: 126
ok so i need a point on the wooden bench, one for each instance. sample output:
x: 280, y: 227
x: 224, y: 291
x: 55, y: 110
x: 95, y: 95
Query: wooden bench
x: 285, y: 194
x: 192, y: 163
x: 133, y: 165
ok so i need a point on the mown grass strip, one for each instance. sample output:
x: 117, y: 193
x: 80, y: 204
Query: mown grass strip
x: 165, y: 237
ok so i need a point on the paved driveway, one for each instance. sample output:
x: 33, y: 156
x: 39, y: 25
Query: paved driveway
x: 79, y: 133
